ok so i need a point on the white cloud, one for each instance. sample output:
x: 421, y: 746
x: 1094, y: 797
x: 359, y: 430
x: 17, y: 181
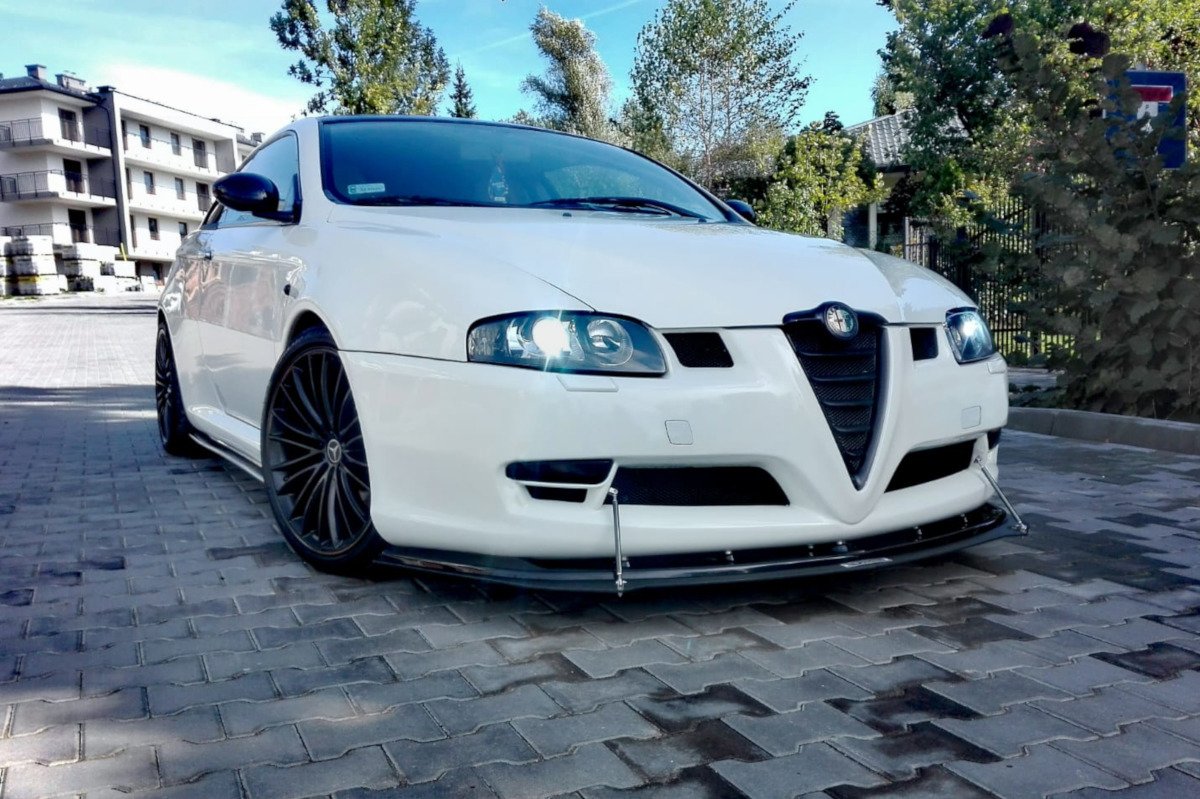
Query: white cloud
x: 251, y: 110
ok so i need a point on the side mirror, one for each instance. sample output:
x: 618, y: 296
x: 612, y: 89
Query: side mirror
x: 251, y: 194
x: 743, y: 209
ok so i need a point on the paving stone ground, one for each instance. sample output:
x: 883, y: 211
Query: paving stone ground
x: 158, y: 639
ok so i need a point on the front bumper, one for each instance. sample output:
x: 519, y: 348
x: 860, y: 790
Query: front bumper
x: 440, y: 434
x: 986, y: 523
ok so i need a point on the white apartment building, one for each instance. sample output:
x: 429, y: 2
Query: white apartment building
x: 102, y: 166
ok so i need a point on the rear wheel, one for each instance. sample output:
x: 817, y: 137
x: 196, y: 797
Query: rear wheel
x: 314, y: 459
x: 174, y: 430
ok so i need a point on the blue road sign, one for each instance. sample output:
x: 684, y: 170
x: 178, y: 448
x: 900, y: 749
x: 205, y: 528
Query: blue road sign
x: 1158, y: 89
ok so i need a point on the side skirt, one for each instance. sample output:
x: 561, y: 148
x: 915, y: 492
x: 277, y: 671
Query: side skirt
x: 221, y: 451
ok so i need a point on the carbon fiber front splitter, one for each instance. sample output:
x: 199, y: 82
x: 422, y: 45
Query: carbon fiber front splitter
x: 985, y: 523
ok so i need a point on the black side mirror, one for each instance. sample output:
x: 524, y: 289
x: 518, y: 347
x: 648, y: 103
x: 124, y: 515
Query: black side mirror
x: 251, y: 194
x: 743, y: 209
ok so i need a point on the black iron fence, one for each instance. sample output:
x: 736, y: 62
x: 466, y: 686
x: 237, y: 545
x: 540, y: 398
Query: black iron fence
x: 999, y: 294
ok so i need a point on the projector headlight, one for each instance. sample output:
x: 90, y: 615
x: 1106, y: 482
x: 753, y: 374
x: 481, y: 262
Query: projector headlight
x: 567, y: 341
x: 969, y: 336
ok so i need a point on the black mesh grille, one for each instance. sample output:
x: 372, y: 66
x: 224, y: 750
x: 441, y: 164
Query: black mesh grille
x: 845, y: 378
x: 927, y: 465
x: 715, y: 485
x: 700, y: 350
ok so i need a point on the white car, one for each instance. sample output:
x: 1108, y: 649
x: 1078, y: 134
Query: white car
x: 539, y: 359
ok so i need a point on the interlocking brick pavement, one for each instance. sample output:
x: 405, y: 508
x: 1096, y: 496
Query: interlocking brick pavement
x: 157, y: 638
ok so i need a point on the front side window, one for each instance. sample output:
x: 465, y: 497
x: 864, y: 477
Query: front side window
x: 278, y: 161
x: 402, y: 162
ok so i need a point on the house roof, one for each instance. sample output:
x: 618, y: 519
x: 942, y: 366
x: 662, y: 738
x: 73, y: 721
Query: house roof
x: 25, y: 83
x: 886, y: 138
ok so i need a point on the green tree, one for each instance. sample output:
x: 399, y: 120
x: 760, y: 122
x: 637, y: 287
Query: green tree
x: 715, y: 82
x: 821, y: 173
x: 461, y: 99
x: 372, y: 58
x: 573, y: 95
x: 971, y: 130
x: 1117, y: 262
x: 885, y: 99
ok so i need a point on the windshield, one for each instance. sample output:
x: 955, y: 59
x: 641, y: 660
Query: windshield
x: 416, y: 162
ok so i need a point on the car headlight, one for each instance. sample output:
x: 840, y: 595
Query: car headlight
x: 567, y: 341
x: 969, y: 335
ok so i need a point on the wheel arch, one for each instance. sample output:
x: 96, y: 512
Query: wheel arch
x: 304, y: 320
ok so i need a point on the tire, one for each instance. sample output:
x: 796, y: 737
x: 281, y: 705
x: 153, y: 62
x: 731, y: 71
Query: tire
x: 174, y: 430
x: 314, y: 459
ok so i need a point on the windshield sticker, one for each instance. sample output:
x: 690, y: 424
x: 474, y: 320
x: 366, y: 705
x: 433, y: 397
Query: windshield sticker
x: 355, y: 189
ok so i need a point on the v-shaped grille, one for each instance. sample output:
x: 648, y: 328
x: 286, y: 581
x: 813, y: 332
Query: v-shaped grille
x: 845, y: 376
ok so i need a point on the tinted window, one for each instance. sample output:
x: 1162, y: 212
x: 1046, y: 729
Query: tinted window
x: 278, y: 161
x: 406, y: 162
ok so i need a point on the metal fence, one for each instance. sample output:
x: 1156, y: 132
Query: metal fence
x: 1014, y: 232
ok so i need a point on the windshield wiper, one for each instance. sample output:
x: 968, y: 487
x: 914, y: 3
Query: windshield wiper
x: 629, y: 205
x: 416, y: 199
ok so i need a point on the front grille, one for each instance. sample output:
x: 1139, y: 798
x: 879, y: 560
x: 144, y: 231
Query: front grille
x: 845, y: 377
x: 711, y: 485
x: 700, y: 350
x: 927, y: 465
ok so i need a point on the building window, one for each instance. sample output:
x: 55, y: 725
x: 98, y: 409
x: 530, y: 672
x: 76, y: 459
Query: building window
x: 176, y: 147
x: 199, y: 154
x: 128, y: 183
x: 183, y: 230
x: 148, y: 179
x: 124, y: 135
x: 133, y: 230
x: 152, y: 223
x: 179, y: 190
x: 144, y: 132
x: 68, y: 122
x: 202, y: 200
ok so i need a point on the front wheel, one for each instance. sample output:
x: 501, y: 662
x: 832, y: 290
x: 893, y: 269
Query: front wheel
x: 314, y: 459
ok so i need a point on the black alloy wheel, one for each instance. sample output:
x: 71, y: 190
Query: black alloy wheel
x: 314, y: 459
x: 174, y: 430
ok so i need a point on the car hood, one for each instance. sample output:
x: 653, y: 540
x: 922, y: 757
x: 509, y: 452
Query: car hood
x: 670, y: 273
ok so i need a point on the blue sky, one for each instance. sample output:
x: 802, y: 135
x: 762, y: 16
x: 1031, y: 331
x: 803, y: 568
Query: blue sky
x: 220, y: 58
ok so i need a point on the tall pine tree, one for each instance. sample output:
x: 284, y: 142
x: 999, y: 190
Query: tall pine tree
x: 463, y: 102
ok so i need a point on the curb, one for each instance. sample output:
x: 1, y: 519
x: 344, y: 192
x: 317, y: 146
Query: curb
x: 1109, y: 428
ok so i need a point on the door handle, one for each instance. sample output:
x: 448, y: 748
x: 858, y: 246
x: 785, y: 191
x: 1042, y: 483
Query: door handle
x: 206, y: 253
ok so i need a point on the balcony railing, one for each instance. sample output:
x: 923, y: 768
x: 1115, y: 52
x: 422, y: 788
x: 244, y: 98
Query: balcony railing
x: 35, y: 131
x: 168, y: 201
x: 63, y: 233
x: 164, y: 151
x: 51, y: 183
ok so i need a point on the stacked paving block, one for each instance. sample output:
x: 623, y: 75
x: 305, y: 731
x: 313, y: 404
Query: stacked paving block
x: 6, y: 287
x: 118, y: 275
x: 81, y: 265
x: 31, y: 259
